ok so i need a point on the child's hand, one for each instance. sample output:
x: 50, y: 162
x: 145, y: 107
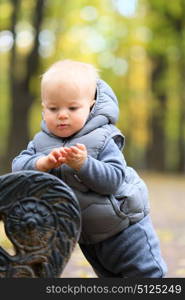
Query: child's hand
x: 53, y: 160
x: 75, y: 156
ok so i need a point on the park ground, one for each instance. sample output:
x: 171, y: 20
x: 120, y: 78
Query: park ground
x: 167, y: 198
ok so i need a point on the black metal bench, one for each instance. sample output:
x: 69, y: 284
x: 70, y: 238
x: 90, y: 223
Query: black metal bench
x: 41, y: 217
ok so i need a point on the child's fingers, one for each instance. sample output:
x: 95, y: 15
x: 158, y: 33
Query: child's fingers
x: 74, y: 149
x: 56, y: 153
x: 63, y: 152
x: 67, y: 150
x: 52, y: 159
x: 71, y: 155
x: 61, y: 159
x: 81, y: 146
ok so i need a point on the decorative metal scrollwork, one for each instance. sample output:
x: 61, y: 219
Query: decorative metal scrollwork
x: 41, y: 216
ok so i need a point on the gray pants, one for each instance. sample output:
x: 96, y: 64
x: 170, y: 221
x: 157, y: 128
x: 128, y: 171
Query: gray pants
x: 134, y: 252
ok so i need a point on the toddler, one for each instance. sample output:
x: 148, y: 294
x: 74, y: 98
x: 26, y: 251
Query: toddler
x: 80, y: 144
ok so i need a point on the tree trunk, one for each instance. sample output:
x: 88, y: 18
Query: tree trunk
x: 181, y: 142
x: 181, y: 138
x: 21, y: 95
x: 156, y: 148
x: 19, y: 130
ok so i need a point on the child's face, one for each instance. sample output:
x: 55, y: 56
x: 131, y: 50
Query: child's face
x: 65, y: 109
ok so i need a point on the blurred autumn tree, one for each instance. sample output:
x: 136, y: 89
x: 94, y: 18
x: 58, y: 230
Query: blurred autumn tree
x: 137, y: 45
x: 166, y: 50
x: 22, y: 68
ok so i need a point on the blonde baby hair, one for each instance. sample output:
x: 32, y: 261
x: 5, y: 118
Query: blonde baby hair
x: 72, y: 73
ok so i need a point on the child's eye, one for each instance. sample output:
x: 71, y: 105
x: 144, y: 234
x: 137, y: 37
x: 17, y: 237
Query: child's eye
x: 73, y: 108
x: 52, y: 108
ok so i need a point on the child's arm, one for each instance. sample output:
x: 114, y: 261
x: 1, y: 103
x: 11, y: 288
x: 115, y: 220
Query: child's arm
x: 103, y: 175
x: 26, y: 159
x: 30, y: 160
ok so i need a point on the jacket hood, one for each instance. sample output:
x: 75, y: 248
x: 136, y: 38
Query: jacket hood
x: 105, y: 110
x: 106, y: 103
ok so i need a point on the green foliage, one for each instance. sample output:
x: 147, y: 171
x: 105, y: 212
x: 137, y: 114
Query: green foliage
x: 120, y: 46
x: 4, y: 102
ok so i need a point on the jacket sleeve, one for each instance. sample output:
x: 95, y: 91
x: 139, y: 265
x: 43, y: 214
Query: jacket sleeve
x: 26, y: 159
x: 105, y: 174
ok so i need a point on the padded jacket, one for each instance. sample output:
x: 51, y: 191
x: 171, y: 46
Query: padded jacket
x: 111, y: 195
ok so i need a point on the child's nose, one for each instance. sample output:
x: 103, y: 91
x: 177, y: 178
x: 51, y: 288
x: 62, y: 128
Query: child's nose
x: 62, y: 114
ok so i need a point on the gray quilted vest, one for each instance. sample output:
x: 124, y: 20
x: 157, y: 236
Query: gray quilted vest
x: 102, y: 216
